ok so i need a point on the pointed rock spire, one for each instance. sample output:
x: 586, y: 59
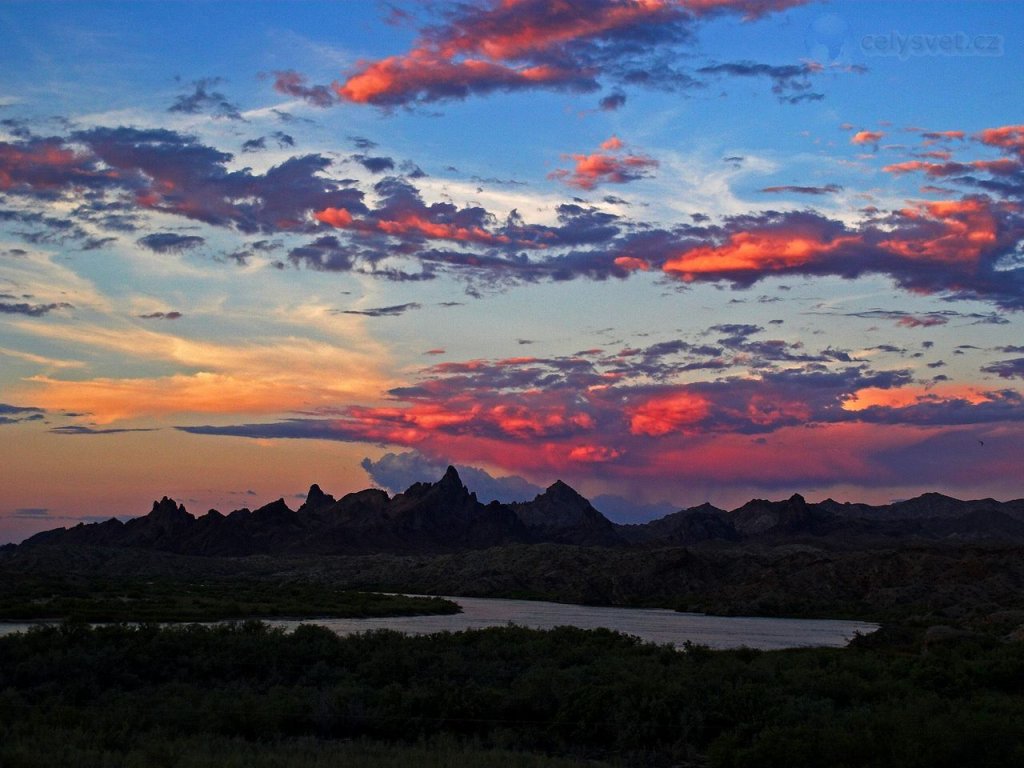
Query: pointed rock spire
x: 451, y: 478
x: 316, y: 499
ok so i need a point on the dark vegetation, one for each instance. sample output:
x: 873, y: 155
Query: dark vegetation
x: 71, y: 695
x: 27, y: 596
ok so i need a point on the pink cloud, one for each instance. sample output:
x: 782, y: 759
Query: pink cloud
x: 612, y: 166
x: 867, y: 137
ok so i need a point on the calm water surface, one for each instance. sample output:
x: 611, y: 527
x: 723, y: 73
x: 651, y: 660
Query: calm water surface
x: 653, y: 625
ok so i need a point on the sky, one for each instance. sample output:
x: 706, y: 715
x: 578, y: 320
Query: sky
x: 667, y: 251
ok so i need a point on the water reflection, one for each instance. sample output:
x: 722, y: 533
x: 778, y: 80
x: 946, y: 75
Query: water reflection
x: 653, y: 625
x: 649, y: 624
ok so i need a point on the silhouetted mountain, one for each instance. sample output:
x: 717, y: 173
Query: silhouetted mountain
x: 447, y: 517
x: 792, y: 516
x: 686, y: 527
x: 561, y: 515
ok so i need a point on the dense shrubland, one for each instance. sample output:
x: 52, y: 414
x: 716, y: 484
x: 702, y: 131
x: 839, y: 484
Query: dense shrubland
x: 195, y: 695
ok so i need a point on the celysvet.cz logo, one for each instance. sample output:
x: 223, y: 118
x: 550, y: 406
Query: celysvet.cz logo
x: 905, y: 46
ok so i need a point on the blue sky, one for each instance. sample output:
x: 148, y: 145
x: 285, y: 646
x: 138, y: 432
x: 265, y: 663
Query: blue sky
x: 666, y: 251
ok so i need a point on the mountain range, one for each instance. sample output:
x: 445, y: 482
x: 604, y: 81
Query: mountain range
x: 445, y: 516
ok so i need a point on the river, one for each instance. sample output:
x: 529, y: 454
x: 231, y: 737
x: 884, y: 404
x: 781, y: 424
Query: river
x: 650, y: 624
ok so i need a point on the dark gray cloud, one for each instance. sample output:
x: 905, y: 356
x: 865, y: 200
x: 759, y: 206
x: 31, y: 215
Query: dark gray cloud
x: 375, y: 164
x: 173, y: 315
x: 828, y: 189
x: 790, y: 82
x: 255, y: 145
x: 169, y: 242
x: 326, y: 253
x: 82, y: 430
x: 16, y: 414
x: 392, y: 311
x: 926, y: 319
x: 362, y: 143
x: 32, y: 513
x: 281, y: 139
x: 202, y: 99
x: 292, y: 83
x: 613, y: 101
x: 1007, y: 369
x: 32, y: 310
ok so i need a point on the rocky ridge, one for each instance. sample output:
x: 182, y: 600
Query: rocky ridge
x: 445, y: 516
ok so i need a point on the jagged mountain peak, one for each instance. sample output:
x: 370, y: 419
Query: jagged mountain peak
x: 561, y: 511
x: 445, y: 516
x: 451, y: 479
x: 167, y: 509
x: 315, y: 494
x: 317, y: 500
x: 563, y: 492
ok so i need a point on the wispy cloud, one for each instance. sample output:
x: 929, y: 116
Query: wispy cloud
x: 392, y: 311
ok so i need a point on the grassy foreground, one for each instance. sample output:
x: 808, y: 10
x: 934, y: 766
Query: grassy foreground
x: 247, y: 694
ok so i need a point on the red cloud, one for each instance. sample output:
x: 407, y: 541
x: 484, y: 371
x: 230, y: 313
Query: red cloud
x: 913, y: 321
x: 965, y: 229
x: 867, y: 137
x: 399, y: 79
x: 1010, y: 137
x: 632, y: 263
x: 846, y: 424
x: 593, y: 454
x: 928, y: 247
x: 756, y: 251
x: 1001, y: 167
x: 673, y: 412
x: 44, y: 165
x: 605, y: 168
x: 336, y: 217
x: 410, y: 223
x: 510, y: 45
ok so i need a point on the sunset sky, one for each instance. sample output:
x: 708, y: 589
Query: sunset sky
x: 668, y: 251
